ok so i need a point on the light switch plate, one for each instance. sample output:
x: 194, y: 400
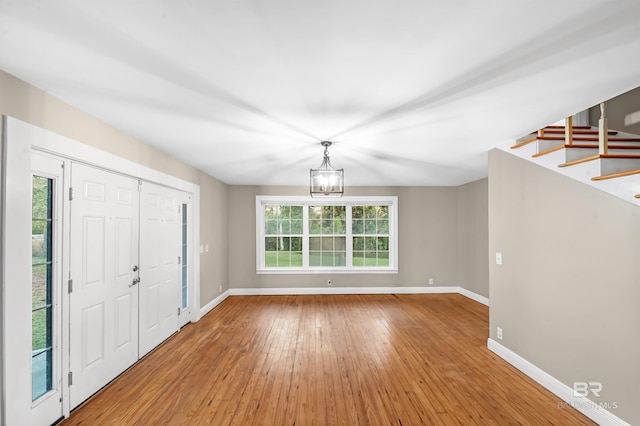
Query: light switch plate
x: 498, y: 258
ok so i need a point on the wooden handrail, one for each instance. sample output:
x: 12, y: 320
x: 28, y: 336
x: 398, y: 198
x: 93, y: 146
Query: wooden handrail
x: 588, y: 139
x: 594, y: 146
x: 579, y: 132
x: 581, y: 160
x: 562, y: 127
x: 596, y: 157
x: 525, y: 142
x: 549, y: 151
x: 616, y: 175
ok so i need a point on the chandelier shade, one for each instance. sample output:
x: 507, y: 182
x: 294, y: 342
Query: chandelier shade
x: 325, y: 180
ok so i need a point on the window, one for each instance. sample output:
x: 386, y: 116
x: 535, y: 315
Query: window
x: 302, y: 234
x: 185, y: 265
x: 41, y: 287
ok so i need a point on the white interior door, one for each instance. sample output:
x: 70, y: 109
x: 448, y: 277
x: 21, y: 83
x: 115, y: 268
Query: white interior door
x: 104, y: 259
x: 160, y: 272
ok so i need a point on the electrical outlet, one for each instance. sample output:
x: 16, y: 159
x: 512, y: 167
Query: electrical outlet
x: 206, y: 248
x: 328, y: 282
x: 499, y: 333
x: 498, y: 258
x: 430, y: 281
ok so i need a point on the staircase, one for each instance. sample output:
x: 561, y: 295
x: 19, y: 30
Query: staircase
x: 611, y: 164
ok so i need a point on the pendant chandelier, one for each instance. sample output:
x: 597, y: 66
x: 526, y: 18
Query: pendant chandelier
x: 325, y: 180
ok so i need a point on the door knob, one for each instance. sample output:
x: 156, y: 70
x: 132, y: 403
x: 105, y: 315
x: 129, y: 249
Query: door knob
x: 135, y: 268
x: 135, y: 281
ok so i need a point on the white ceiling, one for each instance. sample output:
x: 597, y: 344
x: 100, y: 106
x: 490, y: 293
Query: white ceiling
x: 414, y: 92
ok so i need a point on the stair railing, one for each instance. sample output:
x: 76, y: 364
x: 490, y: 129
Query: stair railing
x: 603, y: 131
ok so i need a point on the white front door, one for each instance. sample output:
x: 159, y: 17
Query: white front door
x: 104, y: 263
x: 160, y: 257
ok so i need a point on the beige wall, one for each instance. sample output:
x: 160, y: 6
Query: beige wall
x: 27, y: 103
x: 473, y: 237
x: 617, y: 109
x: 428, y: 243
x: 567, y: 293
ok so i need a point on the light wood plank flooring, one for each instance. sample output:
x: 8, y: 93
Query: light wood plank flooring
x: 325, y: 360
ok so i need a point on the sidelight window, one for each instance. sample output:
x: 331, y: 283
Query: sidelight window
x: 41, y: 287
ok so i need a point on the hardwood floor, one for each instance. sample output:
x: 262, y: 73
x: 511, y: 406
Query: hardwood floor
x: 330, y: 359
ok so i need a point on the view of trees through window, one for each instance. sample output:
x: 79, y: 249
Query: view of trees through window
x: 41, y: 287
x: 326, y: 235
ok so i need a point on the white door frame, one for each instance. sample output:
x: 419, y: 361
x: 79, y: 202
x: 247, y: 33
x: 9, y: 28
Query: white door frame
x: 19, y: 138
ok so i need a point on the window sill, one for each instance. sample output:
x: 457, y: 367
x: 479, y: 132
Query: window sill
x: 363, y: 271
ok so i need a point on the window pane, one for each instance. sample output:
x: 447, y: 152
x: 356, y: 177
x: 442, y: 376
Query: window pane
x: 315, y: 258
x: 315, y: 227
x: 327, y: 258
x: 383, y: 226
x: 285, y: 226
x: 383, y: 211
x: 383, y: 243
x: 40, y: 326
x: 271, y: 227
x: 315, y: 243
x: 296, y: 226
x: 358, y: 258
x: 358, y: 227
x: 271, y: 243
x: 39, y: 296
x: 296, y: 258
x: 271, y: 258
x: 340, y: 258
x: 296, y: 243
x: 315, y: 212
x: 41, y: 374
x: 358, y: 243
x: 327, y: 243
x: 39, y: 246
x: 270, y: 212
x: 370, y: 227
x: 327, y: 226
x: 296, y: 212
x: 340, y: 226
x: 340, y: 243
x: 357, y: 212
x: 370, y: 211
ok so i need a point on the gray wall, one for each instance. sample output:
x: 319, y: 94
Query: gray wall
x: 27, y: 103
x: 473, y: 237
x: 428, y: 239
x: 567, y: 293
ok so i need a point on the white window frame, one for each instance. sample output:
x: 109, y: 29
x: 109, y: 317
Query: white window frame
x: 390, y: 201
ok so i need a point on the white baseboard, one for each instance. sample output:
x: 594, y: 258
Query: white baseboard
x: 357, y: 290
x: 474, y: 296
x: 339, y: 290
x: 587, y: 407
x: 215, y: 302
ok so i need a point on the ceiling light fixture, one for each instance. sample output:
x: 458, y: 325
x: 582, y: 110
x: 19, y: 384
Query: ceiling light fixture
x: 325, y: 180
